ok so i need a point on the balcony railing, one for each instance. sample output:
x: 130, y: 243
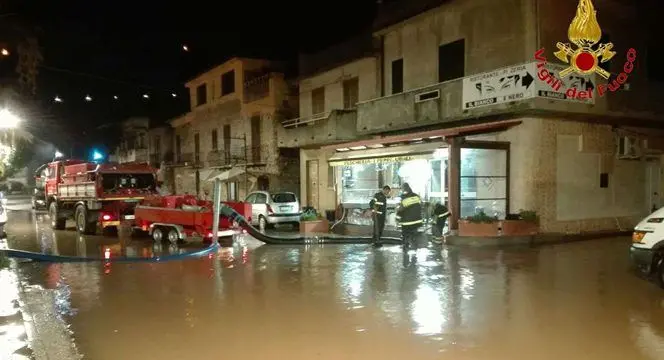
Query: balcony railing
x: 334, y: 126
x: 256, y: 88
x: 240, y: 155
x: 184, y: 158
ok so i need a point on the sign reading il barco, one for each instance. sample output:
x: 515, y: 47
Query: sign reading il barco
x: 584, y: 56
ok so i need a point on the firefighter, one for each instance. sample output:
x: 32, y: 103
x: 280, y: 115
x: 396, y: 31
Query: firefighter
x: 379, y: 210
x: 409, y: 215
x: 439, y: 216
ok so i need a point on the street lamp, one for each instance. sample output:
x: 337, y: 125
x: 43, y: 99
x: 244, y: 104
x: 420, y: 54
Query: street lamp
x: 4, y: 52
x: 8, y: 120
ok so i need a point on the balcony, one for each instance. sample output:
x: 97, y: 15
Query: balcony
x: 131, y: 155
x: 184, y: 158
x: 240, y: 155
x: 256, y: 88
x: 442, y: 103
x: 321, y: 129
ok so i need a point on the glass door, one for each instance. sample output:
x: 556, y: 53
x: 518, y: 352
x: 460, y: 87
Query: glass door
x: 484, y: 182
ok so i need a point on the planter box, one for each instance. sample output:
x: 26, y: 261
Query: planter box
x: 315, y: 226
x: 519, y: 228
x: 467, y: 228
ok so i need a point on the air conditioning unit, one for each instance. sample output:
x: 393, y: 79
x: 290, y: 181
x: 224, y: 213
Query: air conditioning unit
x: 628, y: 148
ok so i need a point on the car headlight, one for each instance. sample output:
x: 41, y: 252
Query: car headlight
x: 655, y: 220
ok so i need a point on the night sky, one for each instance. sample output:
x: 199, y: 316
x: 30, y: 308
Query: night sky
x: 131, y: 48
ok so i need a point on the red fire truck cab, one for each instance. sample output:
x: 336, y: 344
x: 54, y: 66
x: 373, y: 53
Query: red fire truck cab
x: 95, y: 195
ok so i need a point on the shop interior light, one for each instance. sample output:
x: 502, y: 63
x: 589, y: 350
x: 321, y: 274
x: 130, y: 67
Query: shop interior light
x: 441, y: 153
x: 343, y: 149
x: 361, y: 147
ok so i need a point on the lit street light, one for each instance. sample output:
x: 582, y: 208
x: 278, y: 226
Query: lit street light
x: 146, y: 96
x: 8, y: 120
x: 88, y: 98
x: 174, y: 95
x: 57, y: 99
x: 4, y: 52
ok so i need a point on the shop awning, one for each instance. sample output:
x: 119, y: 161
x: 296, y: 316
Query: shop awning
x: 386, y: 154
x: 228, y: 175
x: 447, y: 132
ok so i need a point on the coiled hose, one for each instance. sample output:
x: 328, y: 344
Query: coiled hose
x: 295, y: 240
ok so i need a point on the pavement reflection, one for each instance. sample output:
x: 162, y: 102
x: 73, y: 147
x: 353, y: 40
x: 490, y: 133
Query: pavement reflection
x: 574, y: 301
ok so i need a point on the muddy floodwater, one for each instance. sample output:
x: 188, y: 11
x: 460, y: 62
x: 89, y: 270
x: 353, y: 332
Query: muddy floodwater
x: 252, y: 301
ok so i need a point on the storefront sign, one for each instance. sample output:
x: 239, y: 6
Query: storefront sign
x: 518, y: 83
x: 378, y: 160
x: 504, y: 85
x: 583, y: 57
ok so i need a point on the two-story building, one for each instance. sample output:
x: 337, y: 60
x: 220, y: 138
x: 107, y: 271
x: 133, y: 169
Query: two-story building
x: 235, y: 109
x: 133, y: 145
x: 461, y: 113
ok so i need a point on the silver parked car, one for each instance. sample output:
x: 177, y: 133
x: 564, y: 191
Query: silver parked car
x: 268, y: 209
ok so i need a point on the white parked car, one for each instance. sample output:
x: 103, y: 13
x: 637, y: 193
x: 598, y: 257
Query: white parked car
x: 3, y: 218
x: 647, y: 250
x: 268, y: 209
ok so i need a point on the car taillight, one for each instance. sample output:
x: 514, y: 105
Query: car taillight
x: 269, y: 210
x: 106, y: 217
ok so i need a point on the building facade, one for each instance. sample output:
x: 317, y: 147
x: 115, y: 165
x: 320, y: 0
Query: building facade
x: 133, y: 145
x: 461, y: 113
x: 236, y: 108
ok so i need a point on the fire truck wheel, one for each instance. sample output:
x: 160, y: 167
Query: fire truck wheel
x: 173, y: 236
x: 56, y: 222
x: 84, y: 224
x: 157, y: 235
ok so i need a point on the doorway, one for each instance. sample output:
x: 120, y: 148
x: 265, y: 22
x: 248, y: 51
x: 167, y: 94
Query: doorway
x: 263, y: 183
x: 653, y: 185
x: 312, y: 183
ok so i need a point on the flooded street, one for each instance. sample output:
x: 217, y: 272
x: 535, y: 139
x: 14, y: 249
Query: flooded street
x: 573, y: 301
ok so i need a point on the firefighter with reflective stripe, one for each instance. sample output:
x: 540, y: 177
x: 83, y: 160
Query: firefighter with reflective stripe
x: 379, y: 210
x: 439, y: 216
x: 409, y: 215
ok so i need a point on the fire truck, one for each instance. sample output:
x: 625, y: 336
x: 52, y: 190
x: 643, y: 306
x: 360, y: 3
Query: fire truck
x: 95, y: 195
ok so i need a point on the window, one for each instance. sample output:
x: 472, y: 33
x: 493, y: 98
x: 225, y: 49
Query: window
x: 451, y: 60
x: 397, y: 76
x: 654, y: 56
x: 351, y: 93
x: 318, y: 101
x: 256, y: 138
x: 215, y: 140
x: 197, y: 148
x: 178, y: 145
x: 261, y: 198
x: 281, y: 198
x: 331, y: 177
x: 251, y: 199
x: 201, y: 94
x: 227, y: 142
x: 604, y: 180
x: 156, y: 143
x: 228, y: 83
x: 232, y: 191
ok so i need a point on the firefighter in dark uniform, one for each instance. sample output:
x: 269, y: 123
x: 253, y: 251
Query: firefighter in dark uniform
x: 409, y: 215
x: 439, y: 216
x: 379, y: 210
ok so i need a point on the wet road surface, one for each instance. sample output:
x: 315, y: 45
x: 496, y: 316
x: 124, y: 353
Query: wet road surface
x: 572, y: 301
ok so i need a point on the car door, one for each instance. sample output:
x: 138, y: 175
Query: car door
x: 251, y: 199
x: 261, y: 204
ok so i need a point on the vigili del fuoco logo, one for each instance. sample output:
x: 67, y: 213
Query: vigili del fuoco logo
x: 584, y: 55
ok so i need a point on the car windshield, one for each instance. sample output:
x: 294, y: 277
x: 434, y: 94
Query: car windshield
x: 127, y: 181
x: 284, y: 198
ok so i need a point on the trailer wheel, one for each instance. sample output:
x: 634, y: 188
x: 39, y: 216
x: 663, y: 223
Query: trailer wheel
x: 157, y: 235
x: 56, y: 222
x: 173, y: 236
x: 84, y: 225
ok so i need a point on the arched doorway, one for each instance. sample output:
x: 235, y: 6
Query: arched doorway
x: 263, y: 183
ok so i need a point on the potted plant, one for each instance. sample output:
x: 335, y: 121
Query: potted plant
x: 525, y: 223
x: 479, y: 224
x: 312, y: 221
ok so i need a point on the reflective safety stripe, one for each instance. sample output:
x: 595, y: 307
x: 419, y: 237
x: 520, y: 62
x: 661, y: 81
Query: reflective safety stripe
x: 398, y: 217
x: 443, y: 215
x: 377, y: 212
x: 378, y: 202
x: 412, y: 222
x: 411, y: 201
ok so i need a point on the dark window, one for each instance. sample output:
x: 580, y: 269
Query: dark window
x: 606, y: 37
x: 318, y: 101
x: 228, y: 83
x: 351, y: 93
x: 201, y: 94
x: 451, y: 60
x: 157, y: 145
x: 397, y: 76
x: 284, y: 198
x: 197, y: 148
x: 256, y: 138
x: 654, y: 57
x: 227, y: 142
x: 178, y: 145
x: 215, y: 140
x: 604, y: 180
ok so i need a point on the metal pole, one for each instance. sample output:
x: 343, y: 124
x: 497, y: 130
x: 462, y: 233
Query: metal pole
x: 246, y: 162
x: 216, y: 210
